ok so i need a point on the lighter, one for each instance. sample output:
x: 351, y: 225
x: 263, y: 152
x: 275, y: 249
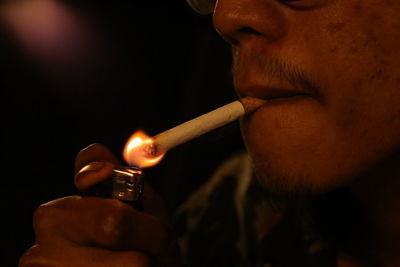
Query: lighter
x: 128, y: 185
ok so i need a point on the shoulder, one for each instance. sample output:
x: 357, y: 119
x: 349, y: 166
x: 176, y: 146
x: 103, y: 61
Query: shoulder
x: 232, y: 178
x: 219, y: 222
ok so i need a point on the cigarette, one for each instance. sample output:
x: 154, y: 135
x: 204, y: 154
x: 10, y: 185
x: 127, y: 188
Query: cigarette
x: 203, y: 124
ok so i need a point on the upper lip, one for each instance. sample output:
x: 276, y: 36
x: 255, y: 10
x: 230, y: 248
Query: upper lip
x: 269, y: 87
x: 256, y: 74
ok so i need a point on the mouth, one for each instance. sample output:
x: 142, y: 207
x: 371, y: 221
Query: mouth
x: 272, y: 94
x: 284, y: 95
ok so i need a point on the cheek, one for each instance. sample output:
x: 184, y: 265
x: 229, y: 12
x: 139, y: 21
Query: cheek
x: 359, y: 70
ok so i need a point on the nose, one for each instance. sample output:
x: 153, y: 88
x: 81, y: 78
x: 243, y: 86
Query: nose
x: 238, y: 20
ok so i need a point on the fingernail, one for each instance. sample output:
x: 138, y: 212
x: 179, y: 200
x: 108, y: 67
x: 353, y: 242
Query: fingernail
x: 93, y: 166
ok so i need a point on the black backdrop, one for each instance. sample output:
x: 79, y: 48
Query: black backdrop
x: 143, y: 64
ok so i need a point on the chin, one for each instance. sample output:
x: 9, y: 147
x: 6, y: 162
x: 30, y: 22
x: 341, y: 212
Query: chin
x: 288, y: 183
x: 291, y: 172
x: 308, y: 175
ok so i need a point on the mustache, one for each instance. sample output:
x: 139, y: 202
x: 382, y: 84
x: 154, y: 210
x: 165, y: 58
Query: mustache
x: 278, y: 69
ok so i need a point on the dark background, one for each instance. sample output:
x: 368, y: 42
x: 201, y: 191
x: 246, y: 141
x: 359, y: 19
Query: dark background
x: 121, y: 66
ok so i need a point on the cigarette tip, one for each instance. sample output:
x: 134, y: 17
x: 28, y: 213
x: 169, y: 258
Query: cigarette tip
x: 150, y: 150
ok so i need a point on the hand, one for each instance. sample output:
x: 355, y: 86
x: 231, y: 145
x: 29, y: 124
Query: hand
x: 91, y: 231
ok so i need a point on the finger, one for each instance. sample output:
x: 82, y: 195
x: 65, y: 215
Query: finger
x: 92, y: 153
x: 154, y: 204
x: 93, y: 165
x: 92, y: 174
x: 105, y: 223
x: 71, y: 255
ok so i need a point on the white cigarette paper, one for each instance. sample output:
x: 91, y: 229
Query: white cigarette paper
x: 204, y: 124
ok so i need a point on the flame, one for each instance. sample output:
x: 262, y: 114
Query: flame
x: 137, y: 151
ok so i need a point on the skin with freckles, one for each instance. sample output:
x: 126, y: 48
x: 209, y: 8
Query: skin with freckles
x: 321, y: 141
x: 331, y: 71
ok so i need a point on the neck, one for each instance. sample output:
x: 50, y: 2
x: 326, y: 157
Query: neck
x: 379, y: 196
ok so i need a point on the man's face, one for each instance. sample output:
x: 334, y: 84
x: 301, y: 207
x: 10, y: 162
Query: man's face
x: 332, y: 71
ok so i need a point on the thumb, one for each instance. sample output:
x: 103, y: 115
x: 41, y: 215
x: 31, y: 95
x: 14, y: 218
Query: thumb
x: 94, y: 152
x: 93, y: 165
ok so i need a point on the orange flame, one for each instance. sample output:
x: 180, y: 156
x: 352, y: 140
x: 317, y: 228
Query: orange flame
x: 137, y: 151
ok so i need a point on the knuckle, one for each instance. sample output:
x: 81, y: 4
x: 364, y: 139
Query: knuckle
x: 32, y: 257
x: 42, y: 217
x: 48, y: 215
x: 25, y: 260
x: 114, y: 223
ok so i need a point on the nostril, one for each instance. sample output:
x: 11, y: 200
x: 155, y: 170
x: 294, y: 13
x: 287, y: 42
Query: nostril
x: 237, y: 22
x: 249, y: 30
x: 244, y: 31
